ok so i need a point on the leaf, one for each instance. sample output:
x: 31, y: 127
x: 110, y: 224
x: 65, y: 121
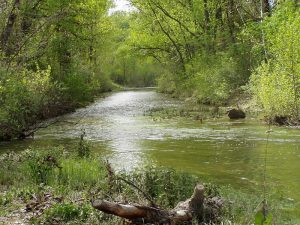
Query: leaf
x: 260, y: 220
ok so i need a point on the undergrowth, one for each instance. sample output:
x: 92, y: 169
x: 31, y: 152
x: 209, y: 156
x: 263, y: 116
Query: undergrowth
x: 55, y: 187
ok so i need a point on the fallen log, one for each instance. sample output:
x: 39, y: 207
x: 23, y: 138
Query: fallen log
x: 183, y: 213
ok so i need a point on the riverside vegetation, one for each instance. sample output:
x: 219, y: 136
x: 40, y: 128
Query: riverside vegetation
x: 55, y: 186
x: 214, y: 51
x: 56, y: 56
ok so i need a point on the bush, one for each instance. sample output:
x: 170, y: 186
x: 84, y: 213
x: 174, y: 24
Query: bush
x: 165, y: 186
x: 78, y: 88
x: 276, y: 83
x: 83, y: 147
x: 213, y: 78
x: 274, y: 90
x: 166, y: 83
x: 24, y: 94
x: 42, y: 165
x: 210, y: 78
x: 67, y: 212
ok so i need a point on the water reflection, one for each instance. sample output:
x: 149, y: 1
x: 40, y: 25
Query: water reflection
x: 226, y: 152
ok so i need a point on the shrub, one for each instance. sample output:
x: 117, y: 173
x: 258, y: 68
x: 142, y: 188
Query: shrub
x: 273, y: 89
x: 67, y: 212
x: 276, y: 83
x: 24, y: 94
x: 78, y: 89
x: 42, y: 165
x: 165, y: 186
x: 212, y: 78
x: 83, y: 147
x: 166, y: 83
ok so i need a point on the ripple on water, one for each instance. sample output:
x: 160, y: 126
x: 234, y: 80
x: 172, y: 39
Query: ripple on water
x: 227, y: 152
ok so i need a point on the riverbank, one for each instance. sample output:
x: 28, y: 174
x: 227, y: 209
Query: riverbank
x: 33, y: 115
x: 219, y: 151
x: 41, y: 186
x: 193, y: 109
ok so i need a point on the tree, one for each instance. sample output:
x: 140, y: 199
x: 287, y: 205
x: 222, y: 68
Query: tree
x: 276, y: 82
x: 185, y: 36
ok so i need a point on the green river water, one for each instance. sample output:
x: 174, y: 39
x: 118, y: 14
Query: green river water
x: 222, y: 151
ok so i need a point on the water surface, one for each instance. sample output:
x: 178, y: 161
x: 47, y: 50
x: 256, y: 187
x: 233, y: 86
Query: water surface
x: 223, y: 151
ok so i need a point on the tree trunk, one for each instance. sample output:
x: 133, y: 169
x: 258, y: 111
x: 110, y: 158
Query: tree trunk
x: 266, y: 7
x: 8, y: 29
x: 184, y: 212
x: 206, y: 17
x: 230, y: 20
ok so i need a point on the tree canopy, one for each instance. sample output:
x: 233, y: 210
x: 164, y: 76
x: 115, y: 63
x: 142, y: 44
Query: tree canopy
x: 56, y: 55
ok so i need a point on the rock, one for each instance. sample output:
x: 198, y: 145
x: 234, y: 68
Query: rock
x: 281, y: 120
x: 236, y: 114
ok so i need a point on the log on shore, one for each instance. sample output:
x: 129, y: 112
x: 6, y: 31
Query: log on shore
x: 184, y: 212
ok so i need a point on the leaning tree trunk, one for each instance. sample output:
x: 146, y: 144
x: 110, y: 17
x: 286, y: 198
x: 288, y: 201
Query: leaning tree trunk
x: 183, y: 213
x: 8, y: 29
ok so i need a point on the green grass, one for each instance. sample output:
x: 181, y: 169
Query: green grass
x: 25, y: 177
x: 79, y: 174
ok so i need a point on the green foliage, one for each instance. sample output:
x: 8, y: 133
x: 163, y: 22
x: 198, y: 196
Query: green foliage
x: 67, y: 212
x: 11, y: 171
x: 43, y: 164
x: 166, y: 83
x: 165, y: 186
x: 80, y: 174
x: 25, y: 95
x: 49, y: 59
x: 6, y: 199
x: 128, y: 67
x: 274, y: 90
x: 198, y: 44
x: 121, y: 62
x: 80, y: 180
x: 23, y: 193
x: 78, y: 88
x: 261, y: 220
x: 214, y: 79
x: 275, y: 83
x: 83, y: 147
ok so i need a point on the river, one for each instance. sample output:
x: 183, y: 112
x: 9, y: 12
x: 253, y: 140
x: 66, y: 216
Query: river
x: 222, y: 151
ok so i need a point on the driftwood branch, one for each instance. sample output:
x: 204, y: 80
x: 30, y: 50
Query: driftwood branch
x: 138, y: 214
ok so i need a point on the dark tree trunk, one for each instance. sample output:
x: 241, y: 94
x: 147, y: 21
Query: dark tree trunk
x: 8, y: 29
x: 230, y: 20
x: 206, y: 17
x: 266, y: 7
